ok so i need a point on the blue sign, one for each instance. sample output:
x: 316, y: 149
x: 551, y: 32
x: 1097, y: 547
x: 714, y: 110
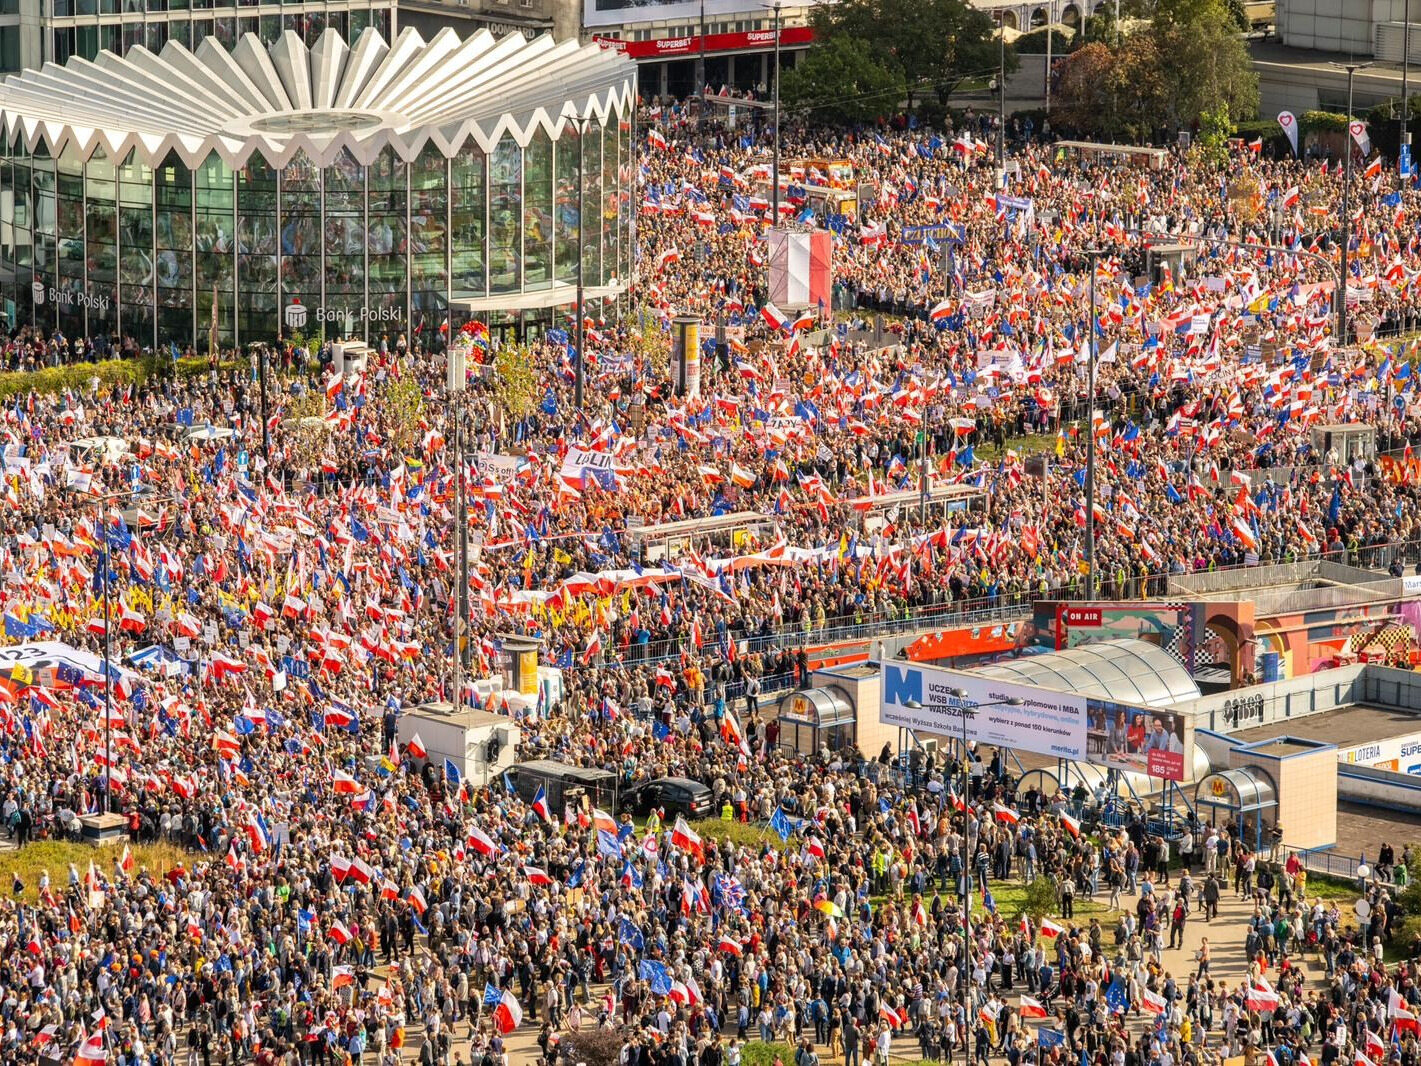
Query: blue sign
x: 942, y: 231
x: 1404, y: 161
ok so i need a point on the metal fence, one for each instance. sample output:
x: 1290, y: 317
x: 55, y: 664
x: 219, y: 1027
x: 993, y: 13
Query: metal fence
x: 1327, y: 863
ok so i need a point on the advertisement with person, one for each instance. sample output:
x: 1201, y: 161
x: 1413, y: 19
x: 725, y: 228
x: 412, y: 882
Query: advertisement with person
x: 1123, y: 736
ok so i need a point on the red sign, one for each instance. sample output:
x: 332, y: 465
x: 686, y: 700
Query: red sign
x: 674, y: 47
x: 1083, y: 616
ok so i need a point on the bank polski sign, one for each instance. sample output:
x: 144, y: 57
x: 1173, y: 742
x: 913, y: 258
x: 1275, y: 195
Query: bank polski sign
x: 1047, y: 723
x: 297, y: 315
x: 42, y: 294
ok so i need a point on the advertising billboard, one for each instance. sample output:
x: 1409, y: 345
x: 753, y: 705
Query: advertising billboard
x: 740, y: 41
x: 1125, y: 736
x: 618, y: 12
x: 1047, y: 723
x: 1060, y: 725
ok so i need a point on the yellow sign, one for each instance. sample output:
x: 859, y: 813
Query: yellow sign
x: 528, y: 672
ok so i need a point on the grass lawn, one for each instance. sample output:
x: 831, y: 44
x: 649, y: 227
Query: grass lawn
x: 55, y: 856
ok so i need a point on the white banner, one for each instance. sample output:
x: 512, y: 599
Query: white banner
x: 1047, y: 722
x: 44, y: 658
x: 1289, y: 122
x: 1359, y: 134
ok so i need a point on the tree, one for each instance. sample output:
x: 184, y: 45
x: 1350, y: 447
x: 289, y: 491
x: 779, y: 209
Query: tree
x: 1189, y: 63
x: 515, y: 384
x: 841, y: 82
x: 925, y: 42
x: 399, y: 405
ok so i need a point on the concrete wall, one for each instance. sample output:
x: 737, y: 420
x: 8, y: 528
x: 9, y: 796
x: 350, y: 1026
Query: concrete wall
x: 1378, y: 788
x: 1297, y: 697
x: 1327, y: 25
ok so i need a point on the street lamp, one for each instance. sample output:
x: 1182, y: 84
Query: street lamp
x: 1405, y: 141
x: 1351, y: 69
x: 100, y: 527
x: 1092, y: 254
x: 1002, y: 94
x: 581, y: 361
x: 966, y: 713
x: 775, y: 160
x: 454, y: 382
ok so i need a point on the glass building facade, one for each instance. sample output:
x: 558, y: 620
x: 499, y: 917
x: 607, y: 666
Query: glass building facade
x: 155, y: 253
x: 359, y: 239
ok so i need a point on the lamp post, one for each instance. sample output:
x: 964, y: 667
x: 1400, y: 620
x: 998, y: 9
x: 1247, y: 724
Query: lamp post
x: 100, y: 527
x: 1002, y: 95
x: 775, y: 160
x: 582, y: 123
x: 1405, y: 140
x: 966, y: 714
x: 1092, y: 254
x: 455, y: 376
x: 1341, y: 294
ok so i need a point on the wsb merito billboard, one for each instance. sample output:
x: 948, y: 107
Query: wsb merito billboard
x: 1061, y: 725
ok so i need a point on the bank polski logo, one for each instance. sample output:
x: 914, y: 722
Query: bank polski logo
x: 295, y: 315
x: 37, y: 290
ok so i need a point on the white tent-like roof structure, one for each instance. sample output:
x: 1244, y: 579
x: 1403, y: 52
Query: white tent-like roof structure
x: 319, y: 100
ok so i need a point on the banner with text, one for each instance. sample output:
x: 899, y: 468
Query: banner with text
x: 1047, y: 722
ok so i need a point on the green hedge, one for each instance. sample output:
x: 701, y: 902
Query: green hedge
x: 1323, y: 122
x: 110, y: 372
x: 755, y: 1053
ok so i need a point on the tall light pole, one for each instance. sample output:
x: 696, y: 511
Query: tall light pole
x: 1405, y: 140
x: 454, y: 381
x: 966, y: 714
x: 1351, y: 69
x: 701, y: 71
x: 1092, y: 255
x: 775, y: 162
x: 101, y: 528
x: 1002, y: 96
x: 580, y: 362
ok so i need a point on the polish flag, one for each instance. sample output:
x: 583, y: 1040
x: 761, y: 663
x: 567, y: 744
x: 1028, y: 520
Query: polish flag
x: 342, y: 976
x: 481, y: 842
x: 773, y: 316
x: 1071, y: 825
x: 361, y: 871
x: 537, y: 876
x: 1050, y: 930
x: 1152, y: 1002
x: 729, y: 945
x: 1261, y: 999
x: 92, y: 1049
x: 1031, y: 1008
x: 508, y: 1015
x: 125, y: 863
x: 342, y: 782
x: 340, y: 867
x: 417, y: 900
x: 1404, y: 1021
x: 1004, y: 814
x: 417, y: 748
x: 338, y: 932
x: 540, y: 805
x: 686, y: 838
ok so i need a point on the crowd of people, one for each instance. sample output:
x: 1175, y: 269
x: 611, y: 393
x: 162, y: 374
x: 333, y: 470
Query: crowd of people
x: 279, y: 587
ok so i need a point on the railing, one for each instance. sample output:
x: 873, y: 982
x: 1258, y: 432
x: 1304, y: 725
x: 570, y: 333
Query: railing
x: 1327, y: 863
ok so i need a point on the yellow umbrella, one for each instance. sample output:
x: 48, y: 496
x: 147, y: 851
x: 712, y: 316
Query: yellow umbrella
x: 829, y: 907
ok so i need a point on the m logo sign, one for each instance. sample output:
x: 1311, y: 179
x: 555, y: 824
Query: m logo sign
x: 295, y: 316
x: 37, y: 291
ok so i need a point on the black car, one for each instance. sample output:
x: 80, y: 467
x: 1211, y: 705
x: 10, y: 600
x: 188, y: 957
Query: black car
x: 673, y: 795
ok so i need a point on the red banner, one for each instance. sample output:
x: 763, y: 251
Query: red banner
x: 674, y: 47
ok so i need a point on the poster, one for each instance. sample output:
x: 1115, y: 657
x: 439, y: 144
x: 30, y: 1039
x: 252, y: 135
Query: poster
x: 1047, y: 723
x: 1061, y: 725
x: 1125, y: 736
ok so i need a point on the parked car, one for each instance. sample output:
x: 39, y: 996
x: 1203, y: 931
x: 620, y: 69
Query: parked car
x: 674, y: 795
